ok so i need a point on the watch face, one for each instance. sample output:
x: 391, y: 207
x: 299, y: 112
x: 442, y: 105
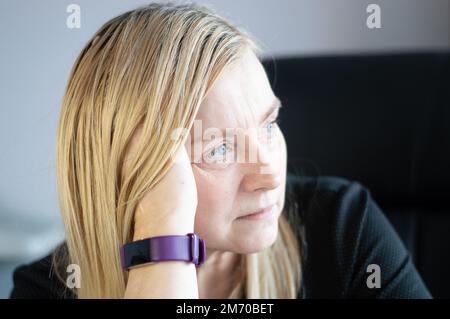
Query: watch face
x: 136, y: 253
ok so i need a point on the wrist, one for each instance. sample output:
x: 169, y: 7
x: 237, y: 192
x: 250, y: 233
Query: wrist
x: 165, y: 228
x: 188, y: 247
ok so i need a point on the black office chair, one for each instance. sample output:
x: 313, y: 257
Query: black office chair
x: 383, y: 120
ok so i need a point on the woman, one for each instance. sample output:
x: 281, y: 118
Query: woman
x: 168, y: 127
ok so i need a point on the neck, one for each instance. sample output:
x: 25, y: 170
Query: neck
x: 217, y: 276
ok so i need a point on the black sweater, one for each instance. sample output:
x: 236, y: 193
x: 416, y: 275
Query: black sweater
x: 343, y: 232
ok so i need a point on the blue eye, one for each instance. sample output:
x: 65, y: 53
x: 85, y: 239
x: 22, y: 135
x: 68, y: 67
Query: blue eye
x: 219, y: 154
x: 271, y: 126
x: 221, y: 150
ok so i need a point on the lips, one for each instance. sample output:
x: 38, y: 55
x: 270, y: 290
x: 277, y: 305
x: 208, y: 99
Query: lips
x: 260, y: 213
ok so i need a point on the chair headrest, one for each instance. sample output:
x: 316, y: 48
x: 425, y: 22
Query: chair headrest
x: 383, y: 120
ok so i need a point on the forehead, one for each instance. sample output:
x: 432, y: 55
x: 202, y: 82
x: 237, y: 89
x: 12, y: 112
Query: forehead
x: 241, y: 93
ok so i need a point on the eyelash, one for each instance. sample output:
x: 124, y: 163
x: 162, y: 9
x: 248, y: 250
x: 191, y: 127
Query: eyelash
x: 276, y: 121
x: 216, y: 148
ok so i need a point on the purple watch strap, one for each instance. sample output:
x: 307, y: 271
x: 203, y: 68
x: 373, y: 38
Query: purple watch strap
x: 188, y: 247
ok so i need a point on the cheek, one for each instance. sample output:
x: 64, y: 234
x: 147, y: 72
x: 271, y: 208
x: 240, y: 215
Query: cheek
x: 283, y: 152
x: 216, y: 193
x: 280, y: 153
x: 282, y: 159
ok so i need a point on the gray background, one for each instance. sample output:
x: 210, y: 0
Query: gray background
x: 38, y: 50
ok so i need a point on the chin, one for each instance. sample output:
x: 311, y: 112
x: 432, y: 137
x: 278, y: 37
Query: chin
x: 257, y: 239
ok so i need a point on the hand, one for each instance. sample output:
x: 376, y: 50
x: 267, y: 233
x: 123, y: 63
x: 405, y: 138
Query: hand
x: 169, y: 207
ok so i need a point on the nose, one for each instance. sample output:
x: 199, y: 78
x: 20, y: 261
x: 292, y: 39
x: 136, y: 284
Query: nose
x: 262, y: 175
x: 260, y: 182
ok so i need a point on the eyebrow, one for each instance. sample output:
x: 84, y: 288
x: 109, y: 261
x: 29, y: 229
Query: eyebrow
x: 276, y: 104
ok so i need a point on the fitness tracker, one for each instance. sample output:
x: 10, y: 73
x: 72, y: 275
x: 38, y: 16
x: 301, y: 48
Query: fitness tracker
x: 189, y: 248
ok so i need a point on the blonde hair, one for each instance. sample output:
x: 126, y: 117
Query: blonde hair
x: 150, y: 66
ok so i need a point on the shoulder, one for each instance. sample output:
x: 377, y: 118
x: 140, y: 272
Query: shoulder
x: 38, y: 280
x: 345, y: 234
x: 331, y: 201
x: 330, y: 204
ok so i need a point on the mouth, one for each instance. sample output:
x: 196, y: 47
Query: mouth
x: 261, y: 214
